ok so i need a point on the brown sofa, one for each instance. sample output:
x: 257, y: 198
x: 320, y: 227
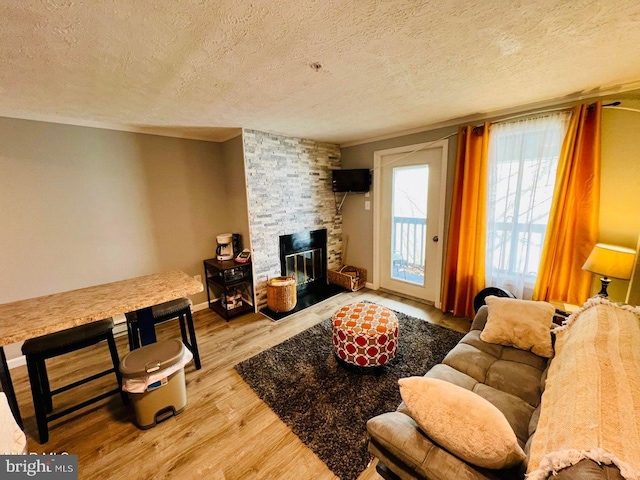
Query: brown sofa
x: 511, y: 379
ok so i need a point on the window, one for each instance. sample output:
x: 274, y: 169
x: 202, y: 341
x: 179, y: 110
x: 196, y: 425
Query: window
x: 523, y: 159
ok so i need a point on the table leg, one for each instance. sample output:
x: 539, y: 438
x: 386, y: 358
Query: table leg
x: 7, y: 388
x: 146, y: 326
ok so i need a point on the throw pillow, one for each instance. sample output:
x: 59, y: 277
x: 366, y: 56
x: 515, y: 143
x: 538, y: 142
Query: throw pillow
x: 523, y: 324
x: 461, y: 422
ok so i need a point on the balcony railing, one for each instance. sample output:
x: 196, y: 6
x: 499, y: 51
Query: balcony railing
x: 516, y: 249
x: 409, y: 239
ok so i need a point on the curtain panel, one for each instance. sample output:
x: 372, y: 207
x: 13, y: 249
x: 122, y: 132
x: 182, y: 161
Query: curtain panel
x: 464, y: 273
x: 573, y: 221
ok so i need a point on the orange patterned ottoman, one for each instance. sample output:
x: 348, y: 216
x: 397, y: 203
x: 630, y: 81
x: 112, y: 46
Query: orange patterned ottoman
x: 365, y: 334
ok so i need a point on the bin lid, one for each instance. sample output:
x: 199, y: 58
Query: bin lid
x: 151, y: 358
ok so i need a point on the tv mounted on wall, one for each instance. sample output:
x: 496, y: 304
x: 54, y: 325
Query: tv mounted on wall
x: 353, y: 180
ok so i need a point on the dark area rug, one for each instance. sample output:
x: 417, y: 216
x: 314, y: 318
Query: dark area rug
x: 327, y: 404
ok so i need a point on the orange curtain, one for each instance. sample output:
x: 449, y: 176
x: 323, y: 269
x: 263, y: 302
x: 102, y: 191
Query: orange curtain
x: 573, y: 221
x: 465, y: 258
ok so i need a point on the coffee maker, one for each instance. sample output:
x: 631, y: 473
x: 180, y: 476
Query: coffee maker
x: 224, y: 250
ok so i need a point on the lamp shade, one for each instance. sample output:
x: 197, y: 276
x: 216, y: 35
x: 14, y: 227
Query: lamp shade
x: 611, y: 261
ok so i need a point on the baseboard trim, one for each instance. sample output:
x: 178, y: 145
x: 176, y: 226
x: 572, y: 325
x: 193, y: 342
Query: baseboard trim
x: 408, y: 297
x: 200, y: 306
x: 16, y: 362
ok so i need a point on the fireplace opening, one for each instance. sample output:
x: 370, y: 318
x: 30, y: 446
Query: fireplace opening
x: 305, y: 267
x: 303, y: 256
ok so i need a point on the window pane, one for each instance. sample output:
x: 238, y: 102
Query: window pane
x: 523, y: 158
x: 409, y: 197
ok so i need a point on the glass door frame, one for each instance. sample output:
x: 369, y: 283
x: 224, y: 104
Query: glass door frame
x: 378, y: 158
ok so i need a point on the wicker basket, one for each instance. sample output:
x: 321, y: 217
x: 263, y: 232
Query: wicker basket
x: 351, y: 278
x: 281, y: 294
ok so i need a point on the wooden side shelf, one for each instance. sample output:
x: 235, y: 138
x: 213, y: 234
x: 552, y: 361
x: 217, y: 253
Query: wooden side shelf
x: 229, y: 287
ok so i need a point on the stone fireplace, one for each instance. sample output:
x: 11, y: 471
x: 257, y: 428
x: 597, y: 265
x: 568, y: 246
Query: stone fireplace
x: 288, y: 183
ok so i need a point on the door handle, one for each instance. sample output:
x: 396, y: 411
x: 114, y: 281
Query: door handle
x: 435, y: 239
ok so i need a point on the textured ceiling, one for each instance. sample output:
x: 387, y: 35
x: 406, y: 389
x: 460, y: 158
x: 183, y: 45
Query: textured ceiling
x: 201, y: 69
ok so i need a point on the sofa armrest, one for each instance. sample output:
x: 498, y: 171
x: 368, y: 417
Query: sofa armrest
x: 480, y: 320
x: 401, y: 445
x: 588, y: 470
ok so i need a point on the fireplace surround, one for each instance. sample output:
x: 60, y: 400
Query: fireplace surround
x: 303, y: 256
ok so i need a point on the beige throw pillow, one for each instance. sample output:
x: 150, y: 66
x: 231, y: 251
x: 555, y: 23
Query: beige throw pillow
x: 461, y: 422
x: 523, y: 324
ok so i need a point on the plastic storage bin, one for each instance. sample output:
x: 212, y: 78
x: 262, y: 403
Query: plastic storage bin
x: 154, y: 378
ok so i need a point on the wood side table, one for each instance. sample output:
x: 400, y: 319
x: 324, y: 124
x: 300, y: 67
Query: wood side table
x: 563, y: 310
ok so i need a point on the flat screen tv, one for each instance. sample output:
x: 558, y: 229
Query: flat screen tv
x: 353, y: 180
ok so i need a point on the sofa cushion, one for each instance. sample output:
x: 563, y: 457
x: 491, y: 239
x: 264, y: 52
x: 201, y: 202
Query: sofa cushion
x: 397, y: 441
x: 519, y: 323
x: 506, y: 368
x: 461, y: 421
x: 533, y: 423
x: 516, y: 411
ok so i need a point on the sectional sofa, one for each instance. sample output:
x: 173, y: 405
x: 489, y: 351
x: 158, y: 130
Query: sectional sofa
x: 571, y: 400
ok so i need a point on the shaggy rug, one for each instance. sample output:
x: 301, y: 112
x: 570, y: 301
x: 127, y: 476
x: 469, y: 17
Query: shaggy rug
x: 327, y: 404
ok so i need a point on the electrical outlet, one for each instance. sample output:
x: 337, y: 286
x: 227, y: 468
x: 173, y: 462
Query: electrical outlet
x: 198, y: 278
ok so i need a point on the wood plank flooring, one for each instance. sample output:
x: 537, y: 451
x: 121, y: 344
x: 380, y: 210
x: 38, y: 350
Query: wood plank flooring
x: 225, y: 433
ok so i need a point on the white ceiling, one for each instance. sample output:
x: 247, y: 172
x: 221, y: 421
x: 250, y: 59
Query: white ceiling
x: 201, y: 69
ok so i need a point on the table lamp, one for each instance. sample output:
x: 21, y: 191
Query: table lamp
x: 610, y: 261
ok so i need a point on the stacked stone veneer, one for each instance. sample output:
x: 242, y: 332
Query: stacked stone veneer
x: 288, y: 191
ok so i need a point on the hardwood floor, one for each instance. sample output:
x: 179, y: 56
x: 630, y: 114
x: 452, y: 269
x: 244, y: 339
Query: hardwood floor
x: 226, y: 432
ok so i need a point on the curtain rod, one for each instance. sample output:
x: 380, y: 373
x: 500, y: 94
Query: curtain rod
x: 428, y: 144
x: 615, y: 107
x: 559, y: 109
x: 530, y: 114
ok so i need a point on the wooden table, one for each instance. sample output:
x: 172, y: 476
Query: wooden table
x: 563, y: 310
x: 34, y: 317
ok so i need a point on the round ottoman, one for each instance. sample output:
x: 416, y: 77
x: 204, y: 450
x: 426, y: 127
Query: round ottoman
x: 365, y: 334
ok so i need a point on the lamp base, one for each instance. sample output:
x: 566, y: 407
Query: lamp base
x: 604, y: 283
